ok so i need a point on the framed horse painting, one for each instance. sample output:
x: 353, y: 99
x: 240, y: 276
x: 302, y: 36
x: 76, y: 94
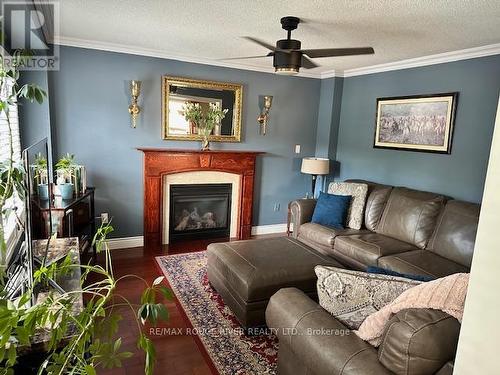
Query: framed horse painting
x: 416, y: 123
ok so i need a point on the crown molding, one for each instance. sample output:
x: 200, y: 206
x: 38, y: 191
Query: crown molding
x: 440, y: 58
x: 132, y: 50
x: 330, y: 74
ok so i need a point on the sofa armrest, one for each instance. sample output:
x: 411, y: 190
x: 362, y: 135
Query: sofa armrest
x: 300, y: 211
x: 320, y: 341
x: 419, y: 341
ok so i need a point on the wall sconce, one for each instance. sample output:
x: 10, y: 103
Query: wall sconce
x: 264, y: 116
x: 134, y: 109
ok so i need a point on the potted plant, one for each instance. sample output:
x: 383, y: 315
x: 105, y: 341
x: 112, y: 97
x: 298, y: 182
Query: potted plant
x: 41, y: 177
x: 94, y: 344
x: 11, y: 173
x: 213, y: 118
x: 65, y: 169
x: 82, y: 339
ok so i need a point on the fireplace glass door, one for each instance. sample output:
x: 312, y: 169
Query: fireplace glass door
x: 199, y: 211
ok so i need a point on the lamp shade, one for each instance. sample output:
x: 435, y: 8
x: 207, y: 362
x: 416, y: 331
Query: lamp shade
x: 316, y: 166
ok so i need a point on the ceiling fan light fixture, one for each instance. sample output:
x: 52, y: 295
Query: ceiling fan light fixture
x: 288, y: 57
x: 287, y: 71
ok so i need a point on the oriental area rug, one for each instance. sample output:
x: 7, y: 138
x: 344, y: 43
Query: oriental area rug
x: 212, y: 322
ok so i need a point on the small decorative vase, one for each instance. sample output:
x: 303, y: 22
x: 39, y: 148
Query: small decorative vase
x: 66, y: 191
x: 217, y: 129
x: 43, y: 192
x: 205, y: 134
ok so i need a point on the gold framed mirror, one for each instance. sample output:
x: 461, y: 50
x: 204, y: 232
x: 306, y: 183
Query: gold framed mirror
x: 179, y: 93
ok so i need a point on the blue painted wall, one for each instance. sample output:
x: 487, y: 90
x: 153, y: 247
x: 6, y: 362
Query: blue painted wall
x: 90, y: 119
x: 330, y: 103
x: 461, y: 174
x: 329, y: 107
x: 325, y: 108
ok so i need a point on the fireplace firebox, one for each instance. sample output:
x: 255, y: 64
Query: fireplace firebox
x: 199, y: 211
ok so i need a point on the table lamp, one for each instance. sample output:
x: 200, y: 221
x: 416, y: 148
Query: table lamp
x: 315, y: 167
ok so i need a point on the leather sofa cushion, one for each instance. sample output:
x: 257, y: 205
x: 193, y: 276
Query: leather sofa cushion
x: 368, y: 248
x: 410, y: 215
x: 256, y: 269
x: 419, y: 341
x: 375, y: 204
x: 321, y: 235
x: 376, y: 200
x: 421, y: 262
x: 455, y: 232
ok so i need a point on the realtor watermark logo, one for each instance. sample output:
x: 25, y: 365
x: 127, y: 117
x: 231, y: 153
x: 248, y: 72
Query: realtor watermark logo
x: 30, y: 30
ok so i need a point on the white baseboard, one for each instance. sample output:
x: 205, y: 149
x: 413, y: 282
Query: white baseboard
x: 268, y: 229
x: 125, y: 242
x: 138, y: 241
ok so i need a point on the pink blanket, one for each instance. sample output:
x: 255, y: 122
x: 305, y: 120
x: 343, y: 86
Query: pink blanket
x: 446, y: 294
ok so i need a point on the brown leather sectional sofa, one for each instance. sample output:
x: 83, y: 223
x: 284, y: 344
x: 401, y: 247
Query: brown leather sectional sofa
x: 405, y: 230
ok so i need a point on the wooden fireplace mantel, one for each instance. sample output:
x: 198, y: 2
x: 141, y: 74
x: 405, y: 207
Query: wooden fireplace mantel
x: 159, y: 162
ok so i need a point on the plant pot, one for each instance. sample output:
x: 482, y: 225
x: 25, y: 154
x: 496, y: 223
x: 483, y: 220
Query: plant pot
x: 217, y: 129
x: 66, y: 191
x: 205, y: 134
x: 43, y: 192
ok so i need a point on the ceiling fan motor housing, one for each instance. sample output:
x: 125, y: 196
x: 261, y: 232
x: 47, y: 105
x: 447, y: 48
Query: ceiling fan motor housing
x: 284, y: 59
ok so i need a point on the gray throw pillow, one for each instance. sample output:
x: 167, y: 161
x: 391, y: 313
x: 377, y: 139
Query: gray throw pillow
x: 350, y: 296
x: 358, y: 193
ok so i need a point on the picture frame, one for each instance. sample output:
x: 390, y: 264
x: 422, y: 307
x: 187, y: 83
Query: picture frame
x: 177, y: 91
x: 421, y: 123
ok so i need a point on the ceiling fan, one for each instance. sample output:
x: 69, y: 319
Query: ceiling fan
x: 288, y: 58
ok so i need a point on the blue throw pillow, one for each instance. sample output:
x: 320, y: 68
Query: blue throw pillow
x: 331, y: 210
x: 384, y: 271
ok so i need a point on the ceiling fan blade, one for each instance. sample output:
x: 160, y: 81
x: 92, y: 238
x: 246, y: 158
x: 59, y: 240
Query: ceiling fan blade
x: 260, y: 42
x: 307, y: 63
x: 331, y: 52
x: 247, y: 57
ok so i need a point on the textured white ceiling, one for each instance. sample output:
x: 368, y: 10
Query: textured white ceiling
x: 211, y: 29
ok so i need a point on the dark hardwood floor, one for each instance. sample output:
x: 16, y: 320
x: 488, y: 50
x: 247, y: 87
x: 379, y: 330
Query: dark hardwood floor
x: 177, y: 354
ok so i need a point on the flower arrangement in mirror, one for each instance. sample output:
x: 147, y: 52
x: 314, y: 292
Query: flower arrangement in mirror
x: 214, y: 116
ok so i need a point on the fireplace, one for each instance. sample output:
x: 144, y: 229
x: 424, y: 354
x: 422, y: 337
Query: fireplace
x: 199, y: 211
x: 162, y: 166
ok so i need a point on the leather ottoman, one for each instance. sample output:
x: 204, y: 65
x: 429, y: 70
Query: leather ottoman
x: 247, y: 273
